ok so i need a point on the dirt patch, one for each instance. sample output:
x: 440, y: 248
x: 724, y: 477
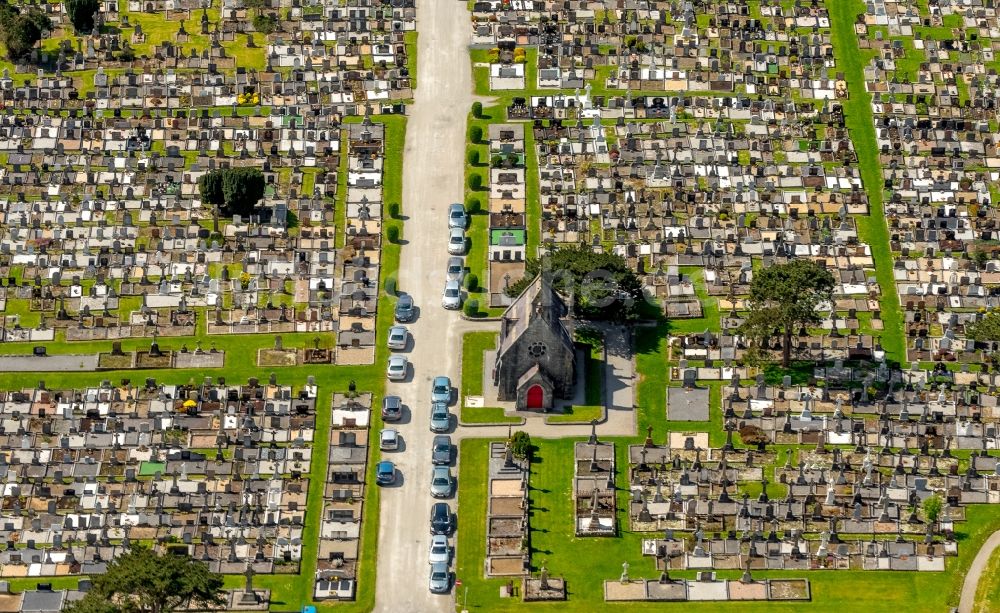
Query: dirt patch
x: 144, y: 360
x: 114, y: 362
x: 506, y: 566
x: 276, y: 357
x: 506, y: 487
x: 506, y: 505
x: 789, y: 589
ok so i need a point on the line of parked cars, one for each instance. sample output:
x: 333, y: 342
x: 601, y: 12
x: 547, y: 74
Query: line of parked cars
x: 458, y: 219
x: 442, y: 524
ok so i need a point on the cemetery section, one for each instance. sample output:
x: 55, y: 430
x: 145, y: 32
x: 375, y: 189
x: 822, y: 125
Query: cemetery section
x: 703, y: 143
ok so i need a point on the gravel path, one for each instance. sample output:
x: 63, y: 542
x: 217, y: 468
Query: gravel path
x: 968, y: 602
x: 433, y: 169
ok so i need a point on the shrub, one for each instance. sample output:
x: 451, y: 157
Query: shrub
x: 496, y: 161
x: 472, y: 282
x: 471, y: 307
x: 394, y: 210
x: 393, y: 234
x: 476, y: 134
x: 472, y: 157
x: 473, y: 205
x: 265, y: 23
x: 477, y: 110
x: 475, y: 180
x: 520, y: 444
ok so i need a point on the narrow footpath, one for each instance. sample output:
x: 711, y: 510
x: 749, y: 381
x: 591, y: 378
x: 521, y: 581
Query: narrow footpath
x: 968, y: 602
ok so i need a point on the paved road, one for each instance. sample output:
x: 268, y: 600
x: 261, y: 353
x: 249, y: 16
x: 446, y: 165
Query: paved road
x: 433, y: 166
x: 968, y: 602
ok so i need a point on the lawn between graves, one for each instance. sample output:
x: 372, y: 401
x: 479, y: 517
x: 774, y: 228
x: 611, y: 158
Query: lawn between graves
x: 287, y: 591
x: 858, y: 115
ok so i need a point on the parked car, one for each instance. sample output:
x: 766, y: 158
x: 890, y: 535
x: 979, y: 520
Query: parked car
x: 456, y: 241
x: 441, y: 450
x: 456, y: 269
x: 392, y: 408
x: 404, y: 309
x: 440, y: 417
x: 457, y: 217
x: 396, y: 371
x: 385, y: 473
x: 440, y: 551
x: 388, y: 440
x: 440, y: 581
x: 441, y: 390
x: 441, y: 482
x: 397, y: 338
x: 451, y: 298
x: 441, y: 518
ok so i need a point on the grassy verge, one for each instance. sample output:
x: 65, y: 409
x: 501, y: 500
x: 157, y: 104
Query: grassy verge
x: 988, y: 591
x: 473, y: 346
x: 574, y: 414
x: 858, y: 114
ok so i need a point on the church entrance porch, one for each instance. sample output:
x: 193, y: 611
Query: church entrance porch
x: 536, y: 398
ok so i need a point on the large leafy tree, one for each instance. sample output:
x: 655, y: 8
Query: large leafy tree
x: 21, y: 29
x: 783, y: 298
x: 231, y: 191
x: 600, y: 286
x: 142, y: 581
x: 81, y: 13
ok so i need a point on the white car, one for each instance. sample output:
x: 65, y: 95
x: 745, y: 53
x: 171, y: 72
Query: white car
x: 456, y: 241
x: 440, y: 549
x: 396, y: 371
x: 452, y: 296
x: 397, y: 338
x: 388, y: 440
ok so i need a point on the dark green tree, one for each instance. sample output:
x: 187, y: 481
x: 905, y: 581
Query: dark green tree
x: 520, y: 444
x: 231, y: 191
x: 210, y: 188
x: 20, y: 30
x: 81, y: 14
x: 242, y: 189
x: 599, y: 286
x: 142, y: 581
x: 265, y: 23
x: 783, y: 298
x: 20, y: 34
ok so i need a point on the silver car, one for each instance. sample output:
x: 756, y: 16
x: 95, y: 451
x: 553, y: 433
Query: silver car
x: 456, y: 216
x: 451, y: 298
x: 397, y: 338
x: 396, y: 371
x: 441, y: 482
x: 440, y: 580
x: 440, y: 552
x: 456, y: 241
x: 388, y: 440
x: 456, y: 269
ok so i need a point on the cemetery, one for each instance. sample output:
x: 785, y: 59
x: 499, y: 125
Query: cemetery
x: 114, y: 261
x: 217, y: 470
x: 703, y: 143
